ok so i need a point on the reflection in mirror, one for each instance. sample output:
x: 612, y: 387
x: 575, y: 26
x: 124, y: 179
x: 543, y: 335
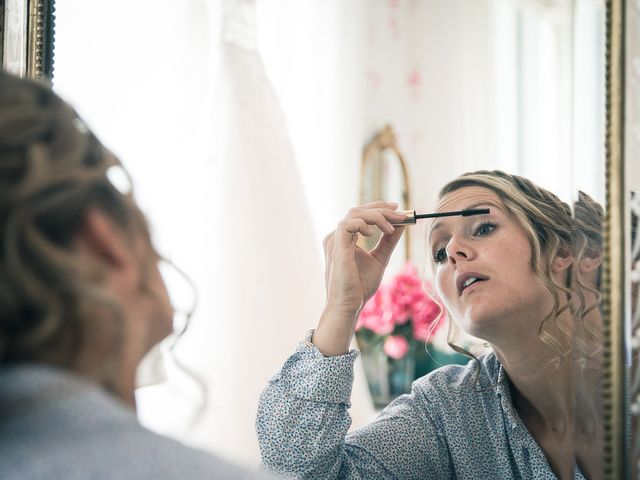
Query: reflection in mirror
x: 401, y: 331
x: 491, y: 84
x: 13, y: 38
x: 26, y: 37
x: 588, y: 337
x: 622, y: 179
x: 632, y: 172
x: 634, y: 339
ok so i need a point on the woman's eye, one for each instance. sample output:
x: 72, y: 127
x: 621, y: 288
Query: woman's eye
x: 440, y: 256
x: 484, y: 229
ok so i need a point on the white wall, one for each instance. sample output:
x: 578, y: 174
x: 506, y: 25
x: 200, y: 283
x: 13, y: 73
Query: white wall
x: 429, y: 74
x: 345, y: 69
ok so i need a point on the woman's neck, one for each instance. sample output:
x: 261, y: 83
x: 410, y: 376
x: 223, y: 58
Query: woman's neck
x: 559, y: 393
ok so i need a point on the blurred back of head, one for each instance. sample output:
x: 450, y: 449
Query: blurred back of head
x: 52, y: 171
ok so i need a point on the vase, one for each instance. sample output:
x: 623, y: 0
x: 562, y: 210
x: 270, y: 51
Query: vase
x: 388, y: 378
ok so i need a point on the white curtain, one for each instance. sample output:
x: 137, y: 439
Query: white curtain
x: 270, y: 283
x: 181, y: 95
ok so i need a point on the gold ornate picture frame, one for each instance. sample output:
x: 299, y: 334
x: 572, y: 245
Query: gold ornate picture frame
x: 632, y: 164
x: 620, y: 275
x: 379, y: 156
x: 27, y: 37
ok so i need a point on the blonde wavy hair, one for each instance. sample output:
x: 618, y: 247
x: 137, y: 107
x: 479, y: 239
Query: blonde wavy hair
x: 53, y: 170
x: 589, y: 217
x: 553, y: 230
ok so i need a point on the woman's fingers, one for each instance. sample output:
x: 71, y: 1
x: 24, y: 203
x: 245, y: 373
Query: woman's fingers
x: 387, y: 243
x: 381, y: 217
x: 351, y: 274
x: 359, y: 220
x: 328, y: 243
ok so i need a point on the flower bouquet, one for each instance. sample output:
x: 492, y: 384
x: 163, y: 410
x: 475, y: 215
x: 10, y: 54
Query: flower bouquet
x: 392, y: 332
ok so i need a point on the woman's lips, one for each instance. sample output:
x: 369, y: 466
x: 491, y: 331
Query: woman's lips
x: 471, y: 287
x: 463, y: 280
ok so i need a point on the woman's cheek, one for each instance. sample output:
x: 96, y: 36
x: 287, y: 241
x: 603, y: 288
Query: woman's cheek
x: 440, y: 282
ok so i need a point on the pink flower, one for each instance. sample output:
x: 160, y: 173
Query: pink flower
x: 404, y: 299
x: 423, y: 320
x: 377, y: 314
x: 406, y: 291
x: 396, y: 346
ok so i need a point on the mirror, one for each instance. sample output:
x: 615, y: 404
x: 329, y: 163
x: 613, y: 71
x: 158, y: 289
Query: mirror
x: 411, y: 344
x: 26, y: 37
x: 516, y: 85
x: 632, y: 157
x: 620, y: 269
x: 627, y: 32
x: 633, y: 335
x: 541, y: 115
x: 385, y: 177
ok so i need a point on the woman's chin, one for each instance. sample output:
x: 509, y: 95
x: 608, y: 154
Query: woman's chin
x: 478, y: 324
x: 162, y: 328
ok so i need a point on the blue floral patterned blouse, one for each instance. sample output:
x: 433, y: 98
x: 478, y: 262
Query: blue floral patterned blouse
x: 450, y: 426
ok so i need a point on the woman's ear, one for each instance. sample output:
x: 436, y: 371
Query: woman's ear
x: 591, y: 260
x: 562, y: 262
x: 103, y: 239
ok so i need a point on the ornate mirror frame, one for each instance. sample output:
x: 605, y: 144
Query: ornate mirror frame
x: 385, y: 139
x: 27, y: 37
x: 632, y: 155
x: 620, y: 274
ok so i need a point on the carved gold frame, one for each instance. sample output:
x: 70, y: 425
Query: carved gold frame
x: 383, y: 140
x: 616, y: 234
x: 2, y: 30
x: 38, y: 39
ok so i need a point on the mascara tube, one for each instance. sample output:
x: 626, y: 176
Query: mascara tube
x: 411, y: 217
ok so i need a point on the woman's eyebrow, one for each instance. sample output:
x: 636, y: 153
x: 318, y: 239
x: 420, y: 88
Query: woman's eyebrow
x: 438, y: 223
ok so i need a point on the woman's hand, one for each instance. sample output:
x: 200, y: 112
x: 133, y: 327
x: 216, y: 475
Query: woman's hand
x: 352, y: 274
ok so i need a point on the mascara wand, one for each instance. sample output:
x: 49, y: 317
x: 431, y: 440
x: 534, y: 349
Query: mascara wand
x: 411, y: 217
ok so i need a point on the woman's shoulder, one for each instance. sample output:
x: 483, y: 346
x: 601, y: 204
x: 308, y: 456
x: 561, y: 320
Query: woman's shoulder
x: 75, y: 428
x: 474, y: 377
x: 453, y: 396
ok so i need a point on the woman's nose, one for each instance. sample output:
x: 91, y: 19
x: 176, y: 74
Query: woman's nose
x: 457, y: 250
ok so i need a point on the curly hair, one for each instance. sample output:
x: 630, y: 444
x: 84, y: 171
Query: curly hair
x: 551, y: 230
x: 53, y: 170
x: 589, y: 217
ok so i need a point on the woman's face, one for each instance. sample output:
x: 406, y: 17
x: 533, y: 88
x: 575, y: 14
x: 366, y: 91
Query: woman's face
x: 160, y: 312
x: 152, y: 302
x: 483, y: 268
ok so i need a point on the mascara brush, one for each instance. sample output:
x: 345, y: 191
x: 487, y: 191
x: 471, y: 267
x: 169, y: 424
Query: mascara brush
x: 411, y: 217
